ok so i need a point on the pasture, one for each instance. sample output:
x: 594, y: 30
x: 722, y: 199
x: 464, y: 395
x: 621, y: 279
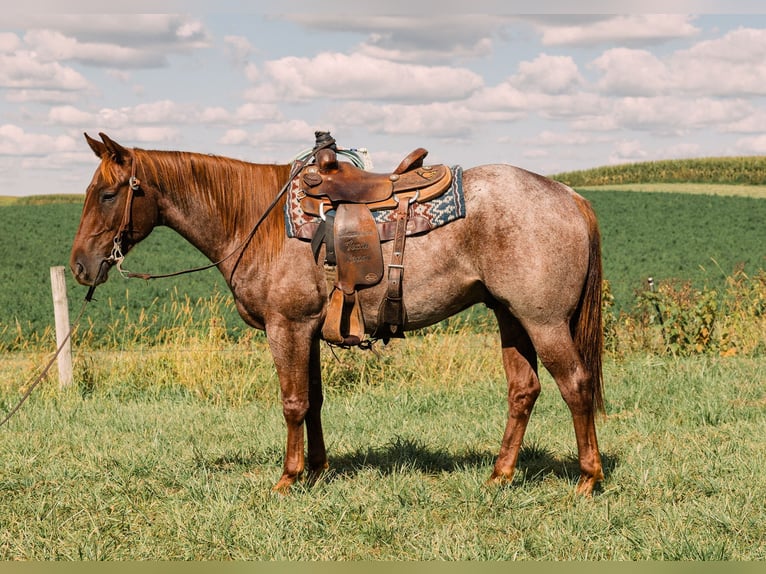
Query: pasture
x: 168, y: 443
x: 156, y: 455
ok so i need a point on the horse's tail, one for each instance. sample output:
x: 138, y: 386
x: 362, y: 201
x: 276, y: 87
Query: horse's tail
x: 587, y: 328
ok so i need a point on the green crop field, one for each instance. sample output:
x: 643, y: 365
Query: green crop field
x: 750, y: 170
x: 167, y: 443
x: 697, y: 237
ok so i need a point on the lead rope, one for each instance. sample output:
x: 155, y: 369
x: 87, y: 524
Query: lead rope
x: 39, y: 378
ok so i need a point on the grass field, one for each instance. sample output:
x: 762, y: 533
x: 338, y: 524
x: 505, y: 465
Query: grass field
x: 132, y: 464
x: 748, y: 170
x: 755, y: 191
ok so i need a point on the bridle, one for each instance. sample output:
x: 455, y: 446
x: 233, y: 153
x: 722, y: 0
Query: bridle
x: 134, y: 185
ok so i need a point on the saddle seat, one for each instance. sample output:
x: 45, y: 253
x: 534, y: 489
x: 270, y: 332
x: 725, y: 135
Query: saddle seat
x: 329, y: 182
x: 344, y: 196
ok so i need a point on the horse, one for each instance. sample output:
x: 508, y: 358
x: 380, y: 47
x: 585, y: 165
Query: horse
x: 528, y: 248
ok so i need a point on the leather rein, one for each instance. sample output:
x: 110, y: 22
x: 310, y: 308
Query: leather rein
x: 134, y: 184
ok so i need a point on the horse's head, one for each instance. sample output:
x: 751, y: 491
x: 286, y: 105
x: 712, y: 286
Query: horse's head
x: 119, y: 211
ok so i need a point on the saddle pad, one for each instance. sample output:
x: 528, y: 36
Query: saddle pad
x: 423, y: 216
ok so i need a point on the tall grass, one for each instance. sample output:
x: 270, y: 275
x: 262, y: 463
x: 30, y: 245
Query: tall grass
x: 681, y: 320
x: 182, y: 346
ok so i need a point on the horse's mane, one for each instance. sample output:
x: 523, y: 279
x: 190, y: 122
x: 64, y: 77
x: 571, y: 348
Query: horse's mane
x: 236, y: 192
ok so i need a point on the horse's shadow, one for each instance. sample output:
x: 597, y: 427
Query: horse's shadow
x: 534, y: 464
x: 401, y: 454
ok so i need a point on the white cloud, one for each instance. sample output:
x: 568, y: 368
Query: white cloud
x: 238, y: 49
x: 548, y: 74
x: 726, y: 66
x: 9, y: 42
x: 730, y: 65
x: 437, y: 36
x: 253, y: 112
x: 296, y: 132
x: 121, y: 40
x: 234, y: 137
x: 50, y: 45
x: 549, y: 138
x: 628, y: 29
x: 752, y: 122
x: 177, y: 32
x: 160, y: 114
x: 627, y: 151
x: 356, y: 76
x: 42, y: 96
x: 17, y: 142
x: 665, y: 115
x: 24, y: 70
x: 292, y: 131
x: 438, y: 119
x: 632, y: 72
x: 503, y: 97
x: 69, y: 116
x: 752, y: 145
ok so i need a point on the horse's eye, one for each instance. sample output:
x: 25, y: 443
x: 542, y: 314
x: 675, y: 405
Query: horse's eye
x: 108, y: 195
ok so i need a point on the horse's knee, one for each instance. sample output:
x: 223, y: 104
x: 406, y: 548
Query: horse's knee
x: 295, y: 409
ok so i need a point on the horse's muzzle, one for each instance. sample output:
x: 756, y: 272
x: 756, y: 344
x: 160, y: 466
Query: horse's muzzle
x: 83, y: 272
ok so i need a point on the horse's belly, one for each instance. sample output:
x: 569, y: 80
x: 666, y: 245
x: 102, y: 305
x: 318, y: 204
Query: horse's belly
x: 438, y: 281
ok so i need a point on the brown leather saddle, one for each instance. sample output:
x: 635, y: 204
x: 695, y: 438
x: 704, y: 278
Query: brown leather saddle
x: 344, y: 196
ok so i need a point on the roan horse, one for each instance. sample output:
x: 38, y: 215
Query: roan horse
x: 528, y: 248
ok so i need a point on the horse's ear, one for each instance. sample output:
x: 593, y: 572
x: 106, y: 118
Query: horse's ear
x: 98, y: 148
x: 116, y: 152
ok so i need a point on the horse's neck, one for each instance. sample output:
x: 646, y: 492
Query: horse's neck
x: 200, y: 226
x: 216, y: 205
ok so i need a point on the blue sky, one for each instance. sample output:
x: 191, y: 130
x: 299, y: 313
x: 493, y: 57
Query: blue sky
x: 475, y: 84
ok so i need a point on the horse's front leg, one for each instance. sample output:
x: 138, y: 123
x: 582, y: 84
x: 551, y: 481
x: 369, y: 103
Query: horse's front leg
x: 317, y: 454
x: 293, y: 348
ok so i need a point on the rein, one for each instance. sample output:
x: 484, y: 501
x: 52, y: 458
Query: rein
x: 117, y: 256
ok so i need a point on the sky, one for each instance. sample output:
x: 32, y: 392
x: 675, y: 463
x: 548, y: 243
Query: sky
x: 473, y: 82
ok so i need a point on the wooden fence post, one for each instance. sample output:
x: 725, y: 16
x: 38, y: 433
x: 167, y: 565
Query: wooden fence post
x: 61, y: 312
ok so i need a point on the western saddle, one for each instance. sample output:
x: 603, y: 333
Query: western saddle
x: 344, y: 196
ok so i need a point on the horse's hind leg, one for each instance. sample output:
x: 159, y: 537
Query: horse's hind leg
x: 558, y: 353
x: 520, y: 363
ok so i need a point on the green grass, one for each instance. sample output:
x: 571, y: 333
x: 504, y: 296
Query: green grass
x: 154, y: 470
x: 701, y: 238
x: 172, y: 436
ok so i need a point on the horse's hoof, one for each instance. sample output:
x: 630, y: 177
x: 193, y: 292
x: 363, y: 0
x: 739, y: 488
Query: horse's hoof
x: 586, y: 485
x: 315, y: 473
x: 500, y: 478
x: 283, y: 486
